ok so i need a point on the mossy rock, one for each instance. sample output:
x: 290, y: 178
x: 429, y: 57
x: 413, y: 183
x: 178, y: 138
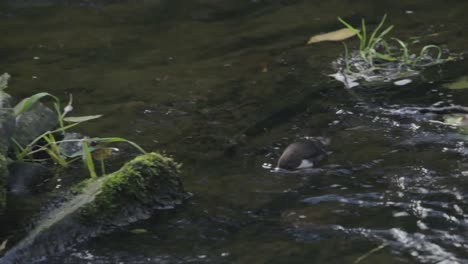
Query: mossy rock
x: 149, y: 181
x: 143, y: 185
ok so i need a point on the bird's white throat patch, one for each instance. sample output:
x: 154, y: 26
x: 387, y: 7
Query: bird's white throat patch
x: 305, y: 164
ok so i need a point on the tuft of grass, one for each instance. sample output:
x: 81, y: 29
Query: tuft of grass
x: 51, y: 145
x: 383, y: 58
x: 369, y: 45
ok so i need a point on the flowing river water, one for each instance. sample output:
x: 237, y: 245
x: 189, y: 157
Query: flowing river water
x: 223, y: 87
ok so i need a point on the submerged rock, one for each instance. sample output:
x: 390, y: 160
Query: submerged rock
x: 72, y: 149
x: 24, y: 177
x: 149, y: 182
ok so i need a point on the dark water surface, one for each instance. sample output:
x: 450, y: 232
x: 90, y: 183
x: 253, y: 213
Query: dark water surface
x: 224, y: 86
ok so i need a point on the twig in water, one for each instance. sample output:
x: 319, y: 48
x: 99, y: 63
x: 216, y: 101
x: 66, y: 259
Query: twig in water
x: 361, y: 258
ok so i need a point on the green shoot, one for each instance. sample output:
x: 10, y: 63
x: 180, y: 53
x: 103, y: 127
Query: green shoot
x: 376, y: 60
x: 52, y: 145
x: 346, y: 58
x: 27, y: 103
x: 88, y: 159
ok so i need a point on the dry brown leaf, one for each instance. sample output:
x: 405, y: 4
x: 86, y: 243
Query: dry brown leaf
x: 102, y: 153
x: 337, y: 35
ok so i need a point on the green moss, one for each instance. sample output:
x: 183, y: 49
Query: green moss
x: 147, y: 182
x: 78, y: 188
x: 3, y: 175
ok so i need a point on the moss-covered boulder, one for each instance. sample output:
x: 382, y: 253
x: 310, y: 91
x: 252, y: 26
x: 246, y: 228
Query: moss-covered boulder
x: 143, y: 185
x: 148, y: 182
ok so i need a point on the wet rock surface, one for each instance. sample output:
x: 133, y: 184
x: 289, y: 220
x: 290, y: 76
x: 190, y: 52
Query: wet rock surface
x: 149, y: 182
x: 33, y: 122
x: 24, y: 177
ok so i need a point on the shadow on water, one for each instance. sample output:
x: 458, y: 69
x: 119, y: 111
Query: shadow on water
x: 225, y: 86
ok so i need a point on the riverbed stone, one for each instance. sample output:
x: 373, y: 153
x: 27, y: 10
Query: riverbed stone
x: 25, y: 177
x: 34, y: 122
x: 142, y: 186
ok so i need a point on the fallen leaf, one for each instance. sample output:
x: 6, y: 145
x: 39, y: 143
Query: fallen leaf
x: 338, y: 35
x: 102, y: 153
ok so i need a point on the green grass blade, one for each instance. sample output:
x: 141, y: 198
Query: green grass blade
x: 78, y: 119
x: 346, y: 57
x: 103, y: 168
x: 54, y: 151
x: 57, y: 158
x: 27, y: 150
x: 88, y: 160
x: 404, y: 47
x: 364, y: 34
x: 384, y: 56
x: 18, y: 149
x: 59, y: 115
x: 117, y: 139
x: 425, y: 49
x: 374, y: 33
x: 385, y: 32
x: 358, y: 33
x: 28, y: 102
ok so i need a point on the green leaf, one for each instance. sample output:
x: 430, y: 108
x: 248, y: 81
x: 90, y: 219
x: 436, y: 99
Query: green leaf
x: 384, y: 56
x: 79, y: 119
x: 54, y: 151
x: 28, y: 102
x: 364, y: 34
x: 426, y: 49
x: 117, y: 139
x: 351, y: 27
x: 374, y: 33
x: 88, y: 160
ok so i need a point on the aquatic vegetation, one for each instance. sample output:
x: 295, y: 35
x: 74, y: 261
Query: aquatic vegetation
x: 53, y: 141
x: 151, y: 180
x: 383, y: 59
